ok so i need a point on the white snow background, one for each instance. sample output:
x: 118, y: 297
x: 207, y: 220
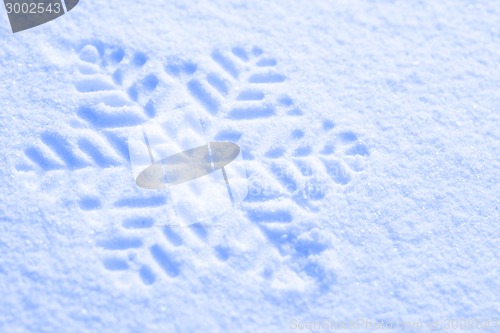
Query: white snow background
x: 389, y: 108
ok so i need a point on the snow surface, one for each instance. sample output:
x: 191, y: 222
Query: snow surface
x: 370, y: 134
